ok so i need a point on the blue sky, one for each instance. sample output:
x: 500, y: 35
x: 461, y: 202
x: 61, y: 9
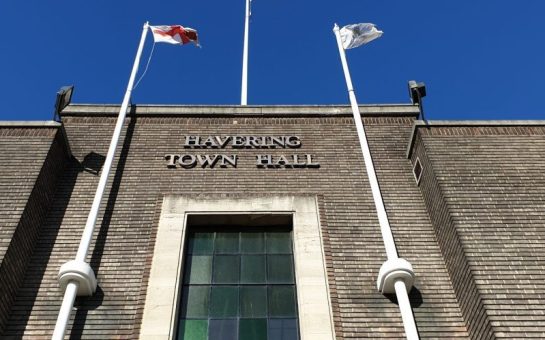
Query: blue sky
x: 479, y: 59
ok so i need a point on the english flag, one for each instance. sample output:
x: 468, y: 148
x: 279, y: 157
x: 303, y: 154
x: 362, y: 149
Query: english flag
x: 174, y: 34
x: 358, y: 34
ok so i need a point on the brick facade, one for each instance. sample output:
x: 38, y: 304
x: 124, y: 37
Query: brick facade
x: 485, y: 187
x: 33, y: 157
x: 454, y: 294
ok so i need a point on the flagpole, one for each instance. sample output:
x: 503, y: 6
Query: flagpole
x: 244, y: 89
x: 397, y: 268
x: 77, y: 276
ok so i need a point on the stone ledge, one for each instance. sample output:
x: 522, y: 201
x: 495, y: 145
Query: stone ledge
x: 29, y: 124
x: 237, y: 110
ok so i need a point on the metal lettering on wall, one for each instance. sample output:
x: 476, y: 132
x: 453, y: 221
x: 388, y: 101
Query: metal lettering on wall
x: 262, y: 160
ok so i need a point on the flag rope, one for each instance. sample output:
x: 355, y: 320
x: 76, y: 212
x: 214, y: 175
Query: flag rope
x: 146, y: 69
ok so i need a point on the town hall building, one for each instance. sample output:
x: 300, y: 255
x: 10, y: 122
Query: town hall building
x: 258, y: 222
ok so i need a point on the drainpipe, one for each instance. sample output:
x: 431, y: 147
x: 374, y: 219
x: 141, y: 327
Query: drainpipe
x: 396, y: 275
x: 76, y: 277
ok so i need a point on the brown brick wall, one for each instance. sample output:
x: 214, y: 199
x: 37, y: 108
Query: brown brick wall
x: 485, y: 188
x: 354, y: 251
x: 414, y: 236
x: 452, y: 248
x: 32, y: 159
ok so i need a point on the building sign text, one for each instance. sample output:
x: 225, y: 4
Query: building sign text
x: 262, y: 160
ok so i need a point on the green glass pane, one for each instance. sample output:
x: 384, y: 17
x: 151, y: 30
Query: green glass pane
x: 226, y: 243
x: 279, y: 268
x: 253, y: 301
x: 279, y: 243
x: 226, y: 269
x: 198, y: 269
x: 252, y: 242
x: 252, y: 269
x: 224, y: 301
x: 195, y: 301
x: 201, y: 243
x: 252, y: 329
x: 282, y: 301
x: 193, y: 330
x: 283, y: 329
x: 223, y: 329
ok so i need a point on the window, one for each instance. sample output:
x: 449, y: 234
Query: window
x: 417, y: 170
x: 238, y: 284
x: 181, y: 213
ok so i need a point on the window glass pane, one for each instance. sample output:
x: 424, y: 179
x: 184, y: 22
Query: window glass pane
x: 223, y: 329
x: 200, y: 243
x: 198, y: 269
x: 279, y: 243
x: 279, y: 268
x: 252, y: 269
x: 239, y: 285
x: 253, y: 301
x: 282, y: 329
x: 193, y: 330
x: 253, y: 329
x: 226, y: 269
x: 195, y: 301
x: 224, y: 301
x: 282, y: 301
x: 251, y: 243
x: 226, y: 243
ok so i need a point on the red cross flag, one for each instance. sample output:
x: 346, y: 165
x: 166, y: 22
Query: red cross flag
x: 174, y: 34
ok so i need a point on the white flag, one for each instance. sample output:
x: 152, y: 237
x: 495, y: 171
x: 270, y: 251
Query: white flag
x: 358, y: 34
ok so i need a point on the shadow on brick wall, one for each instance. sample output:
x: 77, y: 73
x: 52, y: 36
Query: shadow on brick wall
x: 415, y: 296
x: 92, y: 163
x: 26, y: 297
x: 85, y: 304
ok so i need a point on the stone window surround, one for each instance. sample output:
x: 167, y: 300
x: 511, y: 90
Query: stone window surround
x: 314, y: 304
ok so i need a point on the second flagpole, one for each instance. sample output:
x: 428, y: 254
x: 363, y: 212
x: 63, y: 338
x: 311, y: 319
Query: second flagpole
x: 244, y: 87
x: 77, y: 276
x: 395, y: 271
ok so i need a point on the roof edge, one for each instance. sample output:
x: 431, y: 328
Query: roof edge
x: 465, y: 123
x: 29, y: 124
x: 237, y: 110
x: 39, y: 124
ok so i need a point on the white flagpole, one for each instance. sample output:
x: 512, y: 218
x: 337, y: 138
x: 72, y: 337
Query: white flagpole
x: 244, y: 89
x: 79, y: 267
x: 387, y: 237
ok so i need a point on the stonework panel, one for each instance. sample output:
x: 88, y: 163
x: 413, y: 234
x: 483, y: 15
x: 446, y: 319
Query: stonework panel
x: 313, y: 298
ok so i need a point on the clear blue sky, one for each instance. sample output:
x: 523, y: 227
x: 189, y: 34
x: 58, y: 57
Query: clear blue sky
x: 479, y: 59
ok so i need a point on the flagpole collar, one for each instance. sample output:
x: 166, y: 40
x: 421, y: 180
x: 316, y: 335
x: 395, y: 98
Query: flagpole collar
x: 395, y: 270
x: 80, y: 272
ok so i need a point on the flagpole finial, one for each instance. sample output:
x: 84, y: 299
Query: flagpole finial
x: 146, y: 24
x: 336, y: 27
